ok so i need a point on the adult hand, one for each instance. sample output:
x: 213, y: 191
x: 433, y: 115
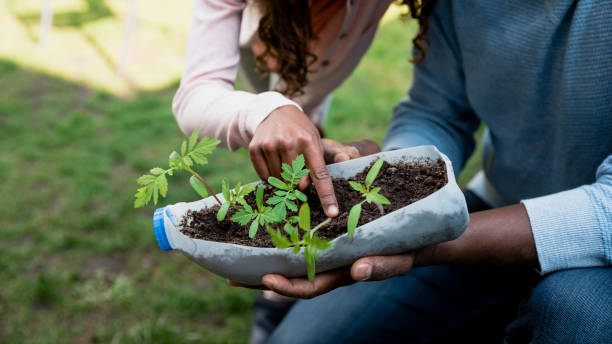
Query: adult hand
x: 286, y: 133
x: 335, y: 151
x: 375, y: 268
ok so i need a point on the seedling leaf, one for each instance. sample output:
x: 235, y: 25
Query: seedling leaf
x: 223, y: 211
x: 253, y: 228
x: 298, y: 163
x: 225, y: 189
x: 356, y: 186
x: 353, y: 219
x: 243, y: 216
x: 197, y: 185
x: 259, y: 197
x: 304, y: 215
x: 193, y: 139
x: 377, y: 198
x: 278, y: 239
x: 373, y: 172
x: 277, y: 183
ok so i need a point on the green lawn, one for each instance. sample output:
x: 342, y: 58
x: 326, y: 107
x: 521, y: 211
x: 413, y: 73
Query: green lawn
x: 77, y: 263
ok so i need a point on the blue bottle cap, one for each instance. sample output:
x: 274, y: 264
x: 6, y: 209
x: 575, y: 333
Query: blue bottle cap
x: 160, y: 230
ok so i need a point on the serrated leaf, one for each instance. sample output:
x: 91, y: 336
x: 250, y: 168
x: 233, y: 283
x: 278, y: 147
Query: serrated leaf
x: 373, y: 172
x: 278, y: 239
x: 193, y: 139
x: 281, y: 193
x: 222, y: 211
x: 294, y: 219
x: 298, y: 163
x: 259, y: 197
x: 291, y: 196
x: 253, y: 228
x: 162, y: 183
x: 183, y: 147
x: 377, y: 198
x: 304, y: 216
x: 146, y: 179
x: 187, y: 161
x: 277, y: 183
x: 175, y: 157
x: 225, y: 189
x: 356, y: 186
x: 353, y: 219
x: 206, y: 145
x: 320, y: 243
x: 199, y: 188
x: 275, y: 200
x: 291, y: 205
x: 300, y: 195
x: 247, y: 189
x: 199, y: 158
x: 289, y: 228
x: 270, y: 216
x: 287, y: 168
x: 286, y: 176
x: 280, y: 210
x: 301, y: 174
x: 140, y: 198
x: 157, y: 171
x: 243, y: 217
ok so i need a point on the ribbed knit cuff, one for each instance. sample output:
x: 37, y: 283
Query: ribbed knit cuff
x: 565, y: 230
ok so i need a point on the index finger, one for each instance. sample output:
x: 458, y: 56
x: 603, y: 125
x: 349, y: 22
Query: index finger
x: 321, y: 179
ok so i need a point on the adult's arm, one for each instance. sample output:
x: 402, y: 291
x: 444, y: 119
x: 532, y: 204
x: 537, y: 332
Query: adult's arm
x: 569, y: 229
x: 573, y: 229
x: 437, y: 111
x: 206, y: 99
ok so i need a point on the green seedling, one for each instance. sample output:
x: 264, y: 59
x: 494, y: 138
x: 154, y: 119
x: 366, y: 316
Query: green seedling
x: 233, y: 197
x: 192, y: 153
x: 310, y: 241
x: 370, y: 195
x: 288, y: 192
x: 269, y: 216
x: 260, y: 216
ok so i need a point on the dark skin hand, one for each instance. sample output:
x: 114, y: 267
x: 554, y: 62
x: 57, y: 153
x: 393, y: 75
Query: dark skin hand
x: 497, y: 237
x: 286, y: 133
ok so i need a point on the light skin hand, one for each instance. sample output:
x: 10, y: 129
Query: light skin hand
x: 497, y: 237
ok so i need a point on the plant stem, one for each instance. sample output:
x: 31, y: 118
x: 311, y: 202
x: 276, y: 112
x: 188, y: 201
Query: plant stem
x: 205, y: 184
x: 319, y: 226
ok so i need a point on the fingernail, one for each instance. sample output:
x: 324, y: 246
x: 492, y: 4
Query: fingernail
x: 332, y: 211
x: 363, y: 272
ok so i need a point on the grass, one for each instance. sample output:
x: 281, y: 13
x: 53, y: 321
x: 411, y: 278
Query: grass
x: 77, y: 263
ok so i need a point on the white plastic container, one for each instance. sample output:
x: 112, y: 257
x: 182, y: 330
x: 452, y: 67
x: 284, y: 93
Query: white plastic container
x: 439, y: 217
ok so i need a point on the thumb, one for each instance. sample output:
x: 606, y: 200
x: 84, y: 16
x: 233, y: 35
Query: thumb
x: 379, y: 268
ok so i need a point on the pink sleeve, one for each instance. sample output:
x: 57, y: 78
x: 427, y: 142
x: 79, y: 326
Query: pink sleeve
x: 206, y: 99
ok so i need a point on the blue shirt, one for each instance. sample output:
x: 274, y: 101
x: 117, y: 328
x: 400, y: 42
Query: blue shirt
x: 539, y: 75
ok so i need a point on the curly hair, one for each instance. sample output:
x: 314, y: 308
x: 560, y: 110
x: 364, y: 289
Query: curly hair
x: 285, y: 30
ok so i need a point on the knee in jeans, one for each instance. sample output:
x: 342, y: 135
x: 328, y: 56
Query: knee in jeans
x: 571, y: 304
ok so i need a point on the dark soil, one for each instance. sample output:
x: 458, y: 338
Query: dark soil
x: 402, y: 183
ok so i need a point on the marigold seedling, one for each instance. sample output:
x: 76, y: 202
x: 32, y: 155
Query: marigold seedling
x: 370, y: 194
x: 192, y: 153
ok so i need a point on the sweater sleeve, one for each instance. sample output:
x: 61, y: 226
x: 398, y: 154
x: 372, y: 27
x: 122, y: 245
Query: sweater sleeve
x: 437, y: 111
x: 573, y: 229
x: 206, y: 99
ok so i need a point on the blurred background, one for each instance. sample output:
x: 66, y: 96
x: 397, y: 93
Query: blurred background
x: 85, y: 108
